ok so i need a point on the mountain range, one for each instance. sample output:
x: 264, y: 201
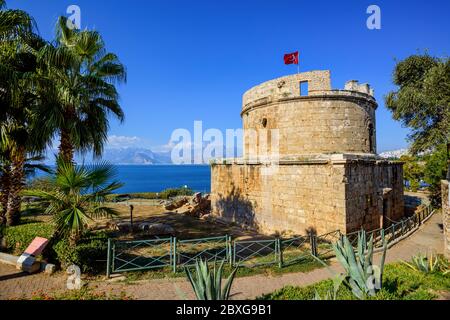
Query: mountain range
x: 121, y: 156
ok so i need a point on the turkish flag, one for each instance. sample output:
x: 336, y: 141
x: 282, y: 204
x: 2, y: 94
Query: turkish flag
x: 291, y: 58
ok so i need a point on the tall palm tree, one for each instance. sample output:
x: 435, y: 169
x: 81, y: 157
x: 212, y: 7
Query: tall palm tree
x: 82, y: 76
x: 78, y: 197
x: 18, y: 102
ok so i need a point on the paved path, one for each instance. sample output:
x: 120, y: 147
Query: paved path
x: 14, y: 285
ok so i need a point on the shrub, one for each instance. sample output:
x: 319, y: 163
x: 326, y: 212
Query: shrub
x: 89, y: 253
x: 19, y: 237
x: 41, y: 183
x: 170, y: 193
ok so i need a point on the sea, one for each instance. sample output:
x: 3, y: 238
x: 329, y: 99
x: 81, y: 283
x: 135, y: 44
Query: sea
x: 155, y: 178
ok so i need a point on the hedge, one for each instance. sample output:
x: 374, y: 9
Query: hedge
x: 18, y: 238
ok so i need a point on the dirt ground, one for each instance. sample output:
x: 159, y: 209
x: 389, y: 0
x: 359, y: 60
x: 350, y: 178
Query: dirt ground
x: 186, y: 227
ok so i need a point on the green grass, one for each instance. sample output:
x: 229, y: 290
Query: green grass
x: 84, y: 293
x: 306, y: 265
x: 400, y: 283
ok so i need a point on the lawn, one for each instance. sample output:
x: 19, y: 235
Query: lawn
x: 400, y: 283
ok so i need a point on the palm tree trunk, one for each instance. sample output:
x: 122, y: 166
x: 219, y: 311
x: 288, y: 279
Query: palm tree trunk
x: 66, y: 147
x: 5, y: 184
x: 16, y: 185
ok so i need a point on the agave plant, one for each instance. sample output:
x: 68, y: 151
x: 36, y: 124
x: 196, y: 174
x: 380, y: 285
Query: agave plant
x: 363, y: 277
x: 428, y: 263
x: 331, y: 294
x: 207, y: 284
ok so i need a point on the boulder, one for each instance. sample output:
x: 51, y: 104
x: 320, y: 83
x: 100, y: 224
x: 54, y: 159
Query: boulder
x: 176, y: 204
x: 156, y: 228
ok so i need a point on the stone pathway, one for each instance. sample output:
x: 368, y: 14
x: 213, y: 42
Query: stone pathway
x: 17, y: 285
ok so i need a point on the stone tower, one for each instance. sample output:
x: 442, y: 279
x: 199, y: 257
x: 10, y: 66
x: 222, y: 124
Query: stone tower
x: 309, y: 161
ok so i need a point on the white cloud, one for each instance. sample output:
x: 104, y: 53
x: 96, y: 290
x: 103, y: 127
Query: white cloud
x: 115, y: 142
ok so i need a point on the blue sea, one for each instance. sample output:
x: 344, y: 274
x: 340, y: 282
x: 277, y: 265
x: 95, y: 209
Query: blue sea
x: 155, y: 178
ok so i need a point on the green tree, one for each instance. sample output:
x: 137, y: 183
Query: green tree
x: 422, y: 100
x: 435, y: 170
x: 82, y: 76
x: 413, y: 171
x: 20, y: 106
x: 422, y: 103
x: 78, y: 197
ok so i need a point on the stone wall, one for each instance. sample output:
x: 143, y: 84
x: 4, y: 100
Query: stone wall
x: 446, y: 216
x: 320, y: 195
x: 297, y: 197
x: 374, y: 194
x: 326, y: 175
x: 288, y: 86
x: 314, y: 125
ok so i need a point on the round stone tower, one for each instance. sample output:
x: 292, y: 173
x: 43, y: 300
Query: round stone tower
x: 310, y: 117
x: 309, y: 161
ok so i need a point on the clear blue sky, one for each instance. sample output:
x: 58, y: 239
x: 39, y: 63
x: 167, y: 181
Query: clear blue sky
x: 193, y: 60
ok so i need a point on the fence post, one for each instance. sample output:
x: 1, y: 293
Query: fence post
x: 229, y: 251
x: 403, y: 227
x: 313, y: 242
x: 280, y: 253
x: 174, y: 255
x: 108, y: 260
x: 234, y: 253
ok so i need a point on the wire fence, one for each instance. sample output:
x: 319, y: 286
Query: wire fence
x: 124, y: 256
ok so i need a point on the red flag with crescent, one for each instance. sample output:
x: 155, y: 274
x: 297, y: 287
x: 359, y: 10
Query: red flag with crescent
x: 291, y: 58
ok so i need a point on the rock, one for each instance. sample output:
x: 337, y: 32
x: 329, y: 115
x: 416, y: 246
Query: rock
x: 123, y: 226
x: 156, y: 228
x: 111, y: 225
x: 176, y: 204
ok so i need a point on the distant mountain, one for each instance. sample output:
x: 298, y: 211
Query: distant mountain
x: 394, y: 154
x: 133, y: 156
x: 125, y: 156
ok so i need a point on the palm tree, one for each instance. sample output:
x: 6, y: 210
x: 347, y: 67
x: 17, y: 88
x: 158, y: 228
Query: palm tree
x: 13, y: 23
x: 78, y: 197
x: 19, y: 103
x: 82, y: 76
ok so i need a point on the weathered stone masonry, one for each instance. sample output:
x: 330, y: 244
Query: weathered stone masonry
x: 326, y: 173
x: 446, y: 216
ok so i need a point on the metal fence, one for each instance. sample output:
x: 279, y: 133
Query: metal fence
x: 397, y: 230
x: 175, y: 254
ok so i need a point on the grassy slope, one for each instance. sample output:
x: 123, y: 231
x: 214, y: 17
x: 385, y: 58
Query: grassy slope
x: 400, y: 283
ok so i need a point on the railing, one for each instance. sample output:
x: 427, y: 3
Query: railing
x: 397, y: 230
x: 173, y: 253
x: 139, y: 255
x: 255, y: 253
x: 209, y: 249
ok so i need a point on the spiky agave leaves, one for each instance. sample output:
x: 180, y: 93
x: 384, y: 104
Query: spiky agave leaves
x: 362, y: 276
x: 428, y: 263
x: 207, y: 284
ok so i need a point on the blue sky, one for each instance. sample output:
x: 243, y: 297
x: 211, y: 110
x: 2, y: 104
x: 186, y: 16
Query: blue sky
x: 193, y: 60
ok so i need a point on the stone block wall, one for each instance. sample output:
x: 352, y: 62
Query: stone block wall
x: 374, y: 194
x: 314, y: 125
x: 297, y: 197
x: 288, y: 86
x: 446, y: 216
x: 323, y: 196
